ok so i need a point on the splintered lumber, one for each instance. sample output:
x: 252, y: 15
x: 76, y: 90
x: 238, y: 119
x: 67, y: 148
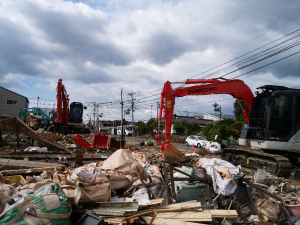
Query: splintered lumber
x: 109, y: 208
x: 115, y: 221
x: 187, y: 216
x: 151, y: 211
x: 181, y: 206
x: 22, y: 164
x: 156, y: 201
x: 223, y: 213
x: 159, y: 221
x: 152, y: 203
x: 32, y: 170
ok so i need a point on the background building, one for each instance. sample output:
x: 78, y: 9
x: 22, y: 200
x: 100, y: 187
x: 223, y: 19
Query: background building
x: 11, y: 102
x: 216, y: 116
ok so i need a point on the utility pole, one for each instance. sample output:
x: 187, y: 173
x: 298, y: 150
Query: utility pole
x: 122, y: 136
x: 187, y: 112
x: 97, y: 119
x: 219, y: 110
x: 158, y: 125
x: 132, y: 105
x: 37, y: 104
x: 132, y: 109
x: 98, y: 122
x: 220, y: 124
x: 151, y: 111
x: 94, y: 113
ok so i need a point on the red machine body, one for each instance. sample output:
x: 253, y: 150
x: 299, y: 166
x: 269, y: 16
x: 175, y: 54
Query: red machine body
x: 99, y: 141
x: 236, y: 88
x: 62, y: 104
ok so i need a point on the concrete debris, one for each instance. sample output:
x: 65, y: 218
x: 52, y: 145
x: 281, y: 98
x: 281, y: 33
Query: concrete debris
x: 133, y: 184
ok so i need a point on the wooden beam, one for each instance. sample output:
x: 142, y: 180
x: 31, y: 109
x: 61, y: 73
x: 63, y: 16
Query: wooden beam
x: 160, y: 221
x: 187, y: 216
x: 223, y: 213
x: 22, y: 164
x: 22, y: 171
x: 181, y: 205
x: 109, y: 208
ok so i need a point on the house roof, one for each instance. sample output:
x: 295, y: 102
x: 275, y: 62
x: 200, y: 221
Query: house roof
x: 15, y: 93
x: 217, y: 115
x: 190, y: 119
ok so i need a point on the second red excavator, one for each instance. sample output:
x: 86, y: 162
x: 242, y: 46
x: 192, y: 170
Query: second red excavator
x: 274, y: 123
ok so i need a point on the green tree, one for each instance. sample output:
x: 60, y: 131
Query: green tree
x: 235, y: 129
x: 225, y: 130
x: 152, y: 125
x: 195, y: 128
x: 142, y: 128
x: 178, y: 127
x: 207, y: 128
x: 238, y: 111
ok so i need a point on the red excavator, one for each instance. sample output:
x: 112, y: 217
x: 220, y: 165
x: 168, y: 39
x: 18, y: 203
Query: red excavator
x: 67, y: 119
x: 274, y: 123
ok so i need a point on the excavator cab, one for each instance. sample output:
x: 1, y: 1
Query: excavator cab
x: 275, y: 114
x: 76, y: 112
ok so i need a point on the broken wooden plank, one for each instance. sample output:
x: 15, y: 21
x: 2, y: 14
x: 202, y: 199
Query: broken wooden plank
x: 223, y: 213
x: 160, y: 221
x: 109, y: 208
x: 31, y: 170
x: 22, y: 164
x: 186, y: 216
x: 115, y: 221
x: 181, y: 205
x: 33, y: 157
x: 156, y: 201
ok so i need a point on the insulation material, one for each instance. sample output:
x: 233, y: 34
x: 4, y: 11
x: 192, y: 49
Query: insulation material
x: 222, y: 187
x: 213, y: 147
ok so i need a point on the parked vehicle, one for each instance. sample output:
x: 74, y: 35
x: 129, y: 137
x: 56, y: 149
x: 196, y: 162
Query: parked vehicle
x: 198, y: 141
x: 119, y: 129
x: 127, y: 130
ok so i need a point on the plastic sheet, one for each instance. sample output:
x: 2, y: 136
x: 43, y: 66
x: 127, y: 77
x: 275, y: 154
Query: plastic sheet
x: 29, y: 149
x: 222, y: 187
x: 213, y: 147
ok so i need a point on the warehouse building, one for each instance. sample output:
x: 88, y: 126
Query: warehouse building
x: 11, y: 102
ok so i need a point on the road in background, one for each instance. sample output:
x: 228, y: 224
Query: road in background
x: 139, y: 140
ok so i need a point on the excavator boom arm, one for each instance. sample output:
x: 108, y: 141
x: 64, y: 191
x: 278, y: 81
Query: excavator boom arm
x: 236, y: 88
x: 62, y: 104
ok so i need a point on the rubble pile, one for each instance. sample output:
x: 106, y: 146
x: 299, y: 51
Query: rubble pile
x: 136, y: 185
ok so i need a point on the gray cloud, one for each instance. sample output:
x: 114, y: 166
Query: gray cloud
x: 163, y: 47
x: 112, y: 44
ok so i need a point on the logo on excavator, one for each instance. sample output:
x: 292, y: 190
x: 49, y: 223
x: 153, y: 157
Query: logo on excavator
x: 169, y: 103
x: 202, y: 90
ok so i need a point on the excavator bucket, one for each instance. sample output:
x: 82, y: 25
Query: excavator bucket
x: 172, y: 154
x: 100, y: 141
x: 116, y: 144
x: 78, y: 140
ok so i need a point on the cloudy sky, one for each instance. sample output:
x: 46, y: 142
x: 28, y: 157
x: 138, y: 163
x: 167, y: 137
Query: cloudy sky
x: 100, y: 47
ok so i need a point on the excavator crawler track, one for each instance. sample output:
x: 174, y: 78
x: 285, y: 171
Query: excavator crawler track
x: 256, y: 159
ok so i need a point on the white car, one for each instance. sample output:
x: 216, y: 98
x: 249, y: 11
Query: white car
x: 196, y: 140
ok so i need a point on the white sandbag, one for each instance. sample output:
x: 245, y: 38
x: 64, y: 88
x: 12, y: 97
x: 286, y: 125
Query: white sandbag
x: 124, y: 163
x: 83, y: 174
x: 223, y: 187
x: 213, y: 147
